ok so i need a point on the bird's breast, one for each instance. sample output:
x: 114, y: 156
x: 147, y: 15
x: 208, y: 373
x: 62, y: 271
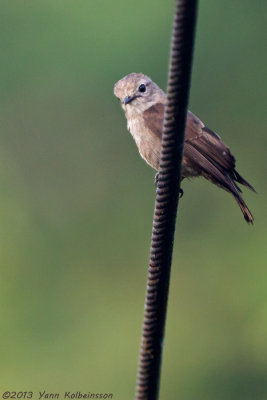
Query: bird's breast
x: 149, y: 145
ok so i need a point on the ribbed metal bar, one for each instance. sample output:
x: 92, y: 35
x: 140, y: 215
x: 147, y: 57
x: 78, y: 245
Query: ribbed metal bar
x: 166, y: 200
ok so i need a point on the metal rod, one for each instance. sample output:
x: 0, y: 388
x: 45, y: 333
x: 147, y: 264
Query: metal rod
x: 166, y: 204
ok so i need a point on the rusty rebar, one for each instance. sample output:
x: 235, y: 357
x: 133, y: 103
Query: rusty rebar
x: 166, y: 200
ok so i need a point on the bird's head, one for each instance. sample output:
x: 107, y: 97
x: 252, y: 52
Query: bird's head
x: 137, y: 92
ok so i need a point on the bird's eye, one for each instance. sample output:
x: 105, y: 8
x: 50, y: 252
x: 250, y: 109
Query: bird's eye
x: 142, y: 88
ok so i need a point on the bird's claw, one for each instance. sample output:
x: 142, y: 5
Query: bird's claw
x: 156, y: 180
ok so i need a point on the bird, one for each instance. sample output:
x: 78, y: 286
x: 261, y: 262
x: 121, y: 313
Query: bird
x: 205, y: 154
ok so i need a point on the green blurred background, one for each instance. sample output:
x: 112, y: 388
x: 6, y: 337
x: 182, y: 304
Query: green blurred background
x: 76, y: 203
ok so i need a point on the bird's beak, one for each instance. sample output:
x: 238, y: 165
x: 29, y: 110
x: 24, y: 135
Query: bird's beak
x: 128, y: 99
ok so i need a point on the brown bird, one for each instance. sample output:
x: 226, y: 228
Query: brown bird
x: 204, y: 152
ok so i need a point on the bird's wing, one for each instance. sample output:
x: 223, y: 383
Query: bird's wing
x: 205, y: 151
x: 153, y: 118
x: 208, y: 144
x: 197, y: 135
x: 217, y: 157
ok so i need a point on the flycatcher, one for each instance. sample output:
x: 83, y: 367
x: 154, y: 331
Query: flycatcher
x: 204, y: 152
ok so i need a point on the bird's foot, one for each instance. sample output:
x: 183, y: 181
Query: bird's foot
x: 156, y: 180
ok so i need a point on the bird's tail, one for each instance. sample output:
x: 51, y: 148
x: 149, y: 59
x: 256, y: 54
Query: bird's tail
x: 244, y: 208
x: 238, y: 178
